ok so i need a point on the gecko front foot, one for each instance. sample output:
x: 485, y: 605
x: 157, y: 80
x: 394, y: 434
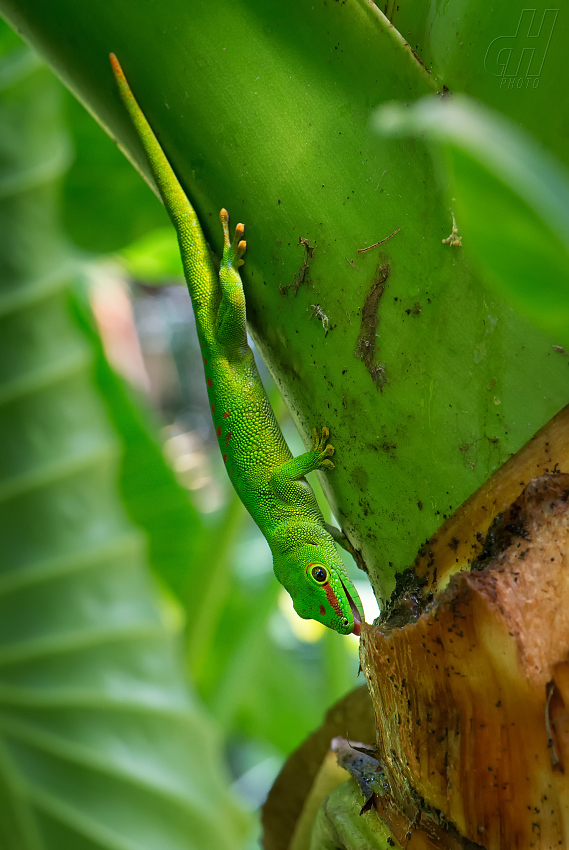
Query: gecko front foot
x: 323, y: 449
x: 297, y: 467
x: 233, y: 249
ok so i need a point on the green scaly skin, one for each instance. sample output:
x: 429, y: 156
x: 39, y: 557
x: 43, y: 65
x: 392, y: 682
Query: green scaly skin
x: 268, y: 479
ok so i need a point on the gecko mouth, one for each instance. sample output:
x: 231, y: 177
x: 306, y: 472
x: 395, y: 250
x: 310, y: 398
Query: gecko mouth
x: 355, y: 613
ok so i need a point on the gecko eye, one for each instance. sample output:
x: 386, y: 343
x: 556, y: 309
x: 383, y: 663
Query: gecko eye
x: 318, y: 573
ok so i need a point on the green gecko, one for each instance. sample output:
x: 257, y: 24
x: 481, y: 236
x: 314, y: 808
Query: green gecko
x: 267, y: 478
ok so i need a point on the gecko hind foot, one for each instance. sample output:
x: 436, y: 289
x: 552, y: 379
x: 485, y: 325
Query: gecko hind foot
x: 322, y: 447
x: 233, y: 248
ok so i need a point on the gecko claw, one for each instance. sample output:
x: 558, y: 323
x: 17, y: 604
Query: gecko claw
x: 319, y: 439
x: 322, y: 447
x: 315, y: 439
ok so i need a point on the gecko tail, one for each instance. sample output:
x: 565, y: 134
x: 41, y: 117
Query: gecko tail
x: 193, y: 247
x: 170, y: 190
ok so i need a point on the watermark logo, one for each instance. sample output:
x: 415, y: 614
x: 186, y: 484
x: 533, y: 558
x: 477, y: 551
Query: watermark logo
x: 518, y: 59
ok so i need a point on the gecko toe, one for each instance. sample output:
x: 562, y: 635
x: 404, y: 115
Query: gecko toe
x: 239, y: 231
x: 224, y: 219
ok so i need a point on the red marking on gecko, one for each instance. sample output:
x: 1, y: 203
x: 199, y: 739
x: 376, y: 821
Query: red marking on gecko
x: 331, y: 597
x: 225, y: 415
x: 213, y: 408
x: 322, y: 610
x: 205, y: 360
x: 218, y: 431
x: 209, y: 382
x: 227, y: 439
x: 225, y: 458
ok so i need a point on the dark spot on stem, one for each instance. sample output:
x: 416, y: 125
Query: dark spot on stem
x: 366, y: 346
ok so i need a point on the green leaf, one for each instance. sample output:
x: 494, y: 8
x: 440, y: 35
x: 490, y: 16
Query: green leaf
x: 512, y: 202
x: 101, y: 743
x: 263, y: 107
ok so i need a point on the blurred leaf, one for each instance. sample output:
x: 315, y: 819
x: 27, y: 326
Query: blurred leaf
x: 153, y: 498
x: 260, y: 680
x: 512, y: 202
x: 101, y: 744
x: 509, y: 56
x: 105, y: 204
x: 154, y: 258
x: 207, y: 591
x: 291, y: 689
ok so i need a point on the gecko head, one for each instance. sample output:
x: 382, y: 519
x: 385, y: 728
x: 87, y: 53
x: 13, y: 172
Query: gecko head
x: 308, y: 566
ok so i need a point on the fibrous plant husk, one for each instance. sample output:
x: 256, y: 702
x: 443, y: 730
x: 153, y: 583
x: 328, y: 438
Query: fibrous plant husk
x: 470, y: 699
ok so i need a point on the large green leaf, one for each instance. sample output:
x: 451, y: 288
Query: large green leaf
x: 101, y: 744
x: 264, y: 107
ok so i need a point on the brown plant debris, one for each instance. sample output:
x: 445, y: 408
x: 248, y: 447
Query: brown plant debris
x: 366, y: 346
x: 300, y: 276
x: 472, y: 699
x: 420, y: 826
x: 377, y: 244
